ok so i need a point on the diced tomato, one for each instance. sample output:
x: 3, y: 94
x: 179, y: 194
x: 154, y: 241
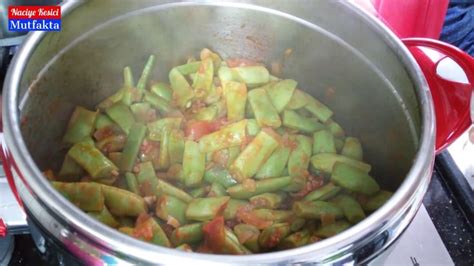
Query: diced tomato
x: 196, y: 129
x: 143, y: 229
x: 214, y: 234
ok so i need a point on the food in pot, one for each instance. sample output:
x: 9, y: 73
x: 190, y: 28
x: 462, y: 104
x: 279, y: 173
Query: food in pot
x: 224, y: 159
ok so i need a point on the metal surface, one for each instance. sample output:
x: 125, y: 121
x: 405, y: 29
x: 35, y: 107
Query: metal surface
x: 379, y: 95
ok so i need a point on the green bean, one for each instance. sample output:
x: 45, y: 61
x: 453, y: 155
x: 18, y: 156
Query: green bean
x: 321, y: 111
x: 352, y: 149
x: 175, y: 146
x: 220, y: 175
x: 248, y: 236
x: 323, y: 193
x: 293, y: 120
x: 216, y: 59
x: 132, y: 146
x: 164, y: 187
x: 182, y: 91
x: 350, y: 207
x: 332, y: 229
x: 187, y: 234
x: 185, y: 248
x: 275, y: 164
x: 232, y: 207
x: 105, y: 217
x: 126, y: 230
x: 102, y: 121
x: 189, y: 68
x: 128, y: 77
x: 122, y: 202
x: 169, y: 207
x: 141, y: 112
x: 93, y: 161
x: 298, y: 163
x: 325, y: 162
x: 112, y: 99
x: 295, y: 240
x: 272, y: 235
x: 121, y: 114
x: 162, y: 90
x: 198, y: 192
x: 235, y: 94
x: 298, y: 100
x: 296, y: 224
x: 261, y: 186
x: 146, y: 179
x: 206, y: 114
x: 194, y: 162
x: 202, y: 79
x: 275, y: 216
x: 316, y: 209
x: 204, y: 209
x: 376, y: 201
x: 112, y: 143
x: 254, y: 155
x: 264, y: 111
x: 228, y: 136
x: 156, y: 128
x: 281, y: 92
x: 80, y: 125
x: 323, y: 142
x: 132, y: 183
x: 70, y: 170
x: 334, y: 128
x: 164, y: 155
x: 131, y: 95
x: 217, y: 190
x: 150, y: 63
x: 251, y: 75
x: 159, y: 236
x: 231, y: 244
x: 156, y: 101
x: 87, y: 196
x: 248, y: 110
x: 252, y: 127
x: 353, y: 179
x: 267, y: 200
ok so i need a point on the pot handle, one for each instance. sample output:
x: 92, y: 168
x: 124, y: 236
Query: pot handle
x: 451, y: 98
x: 8, y: 164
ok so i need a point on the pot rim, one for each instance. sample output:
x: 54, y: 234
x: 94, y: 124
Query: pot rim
x: 116, y: 241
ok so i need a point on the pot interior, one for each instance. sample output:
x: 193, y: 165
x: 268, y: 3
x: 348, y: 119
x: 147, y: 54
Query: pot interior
x: 361, y: 80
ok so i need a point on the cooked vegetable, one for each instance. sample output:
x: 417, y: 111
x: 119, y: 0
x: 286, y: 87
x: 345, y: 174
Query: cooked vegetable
x: 221, y: 158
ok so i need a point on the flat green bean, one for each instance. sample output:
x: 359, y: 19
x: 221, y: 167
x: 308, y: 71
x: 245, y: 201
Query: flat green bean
x: 132, y: 146
x: 323, y: 142
x: 235, y: 94
x: 93, y: 161
x: 353, y: 179
x: 194, y: 161
x: 122, y: 202
x: 265, y: 113
x: 281, y: 92
x: 352, y: 149
x: 87, y: 196
x: 205, y: 209
x: 80, y: 125
x: 316, y: 209
x: 121, y: 114
x: 261, y: 186
x: 293, y: 120
x: 325, y: 162
x: 228, y: 136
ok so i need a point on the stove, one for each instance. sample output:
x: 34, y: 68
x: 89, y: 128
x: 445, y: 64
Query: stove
x: 442, y: 232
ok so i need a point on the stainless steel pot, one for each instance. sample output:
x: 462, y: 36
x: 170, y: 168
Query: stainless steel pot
x: 340, y: 54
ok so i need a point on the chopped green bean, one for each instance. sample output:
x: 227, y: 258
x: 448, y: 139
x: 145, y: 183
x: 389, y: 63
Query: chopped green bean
x: 281, y: 92
x: 87, y: 196
x: 93, y: 161
x: 132, y: 146
x: 122, y: 202
x: 80, y: 125
x: 141, y: 112
x: 272, y: 235
x: 264, y: 111
x: 205, y: 209
x: 236, y: 96
x: 261, y: 186
x: 316, y: 209
x: 335, y: 128
x: 164, y: 187
x: 353, y: 179
x: 194, y: 161
x: 169, y: 207
x: 70, y: 170
x: 189, y: 68
x: 293, y: 120
x: 323, y: 142
x: 142, y: 82
x: 248, y: 236
x: 132, y: 183
x: 121, y: 114
x: 376, y: 201
x: 103, y: 121
x: 298, y: 100
x: 157, y: 127
x: 323, y: 192
x: 156, y: 101
x: 187, y: 234
x: 217, y: 190
x: 204, y: 76
x: 251, y: 75
x: 325, y: 162
x: 295, y: 240
x: 352, y: 149
x: 350, y: 207
x: 220, y: 175
x: 332, y: 229
x: 315, y: 107
x: 182, y: 91
x: 267, y: 200
x: 254, y: 155
x: 252, y: 127
x: 105, y: 217
x: 228, y: 136
x: 232, y: 206
x: 162, y: 90
x: 275, y: 164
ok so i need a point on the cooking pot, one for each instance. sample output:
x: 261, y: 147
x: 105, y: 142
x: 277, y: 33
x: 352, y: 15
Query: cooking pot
x: 340, y: 54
